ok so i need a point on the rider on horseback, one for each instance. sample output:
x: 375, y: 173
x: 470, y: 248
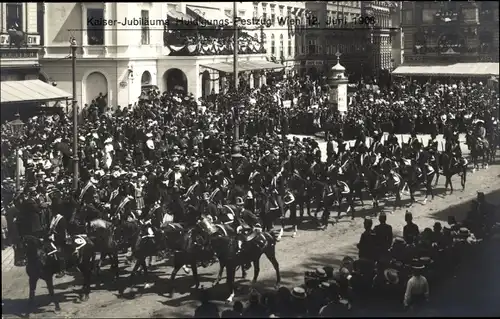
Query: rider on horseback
x: 247, y: 222
x: 481, y: 132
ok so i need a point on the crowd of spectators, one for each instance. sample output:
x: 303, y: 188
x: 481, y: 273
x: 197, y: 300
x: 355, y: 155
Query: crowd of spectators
x: 172, y: 128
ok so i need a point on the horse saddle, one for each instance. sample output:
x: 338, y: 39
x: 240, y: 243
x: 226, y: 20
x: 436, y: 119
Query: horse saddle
x: 249, y: 234
x: 257, y: 238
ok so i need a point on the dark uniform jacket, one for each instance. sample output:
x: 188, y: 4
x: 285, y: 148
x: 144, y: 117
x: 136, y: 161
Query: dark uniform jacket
x: 383, y: 233
x: 410, y: 232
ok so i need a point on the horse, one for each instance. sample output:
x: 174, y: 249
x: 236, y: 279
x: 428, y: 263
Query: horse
x: 415, y: 178
x: 452, y: 166
x: 189, y: 247
x: 271, y: 209
x: 298, y: 190
x: 144, y: 243
x: 494, y: 141
x: 478, y: 149
x: 102, y: 234
x: 42, y: 263
x: 381, y: 185
x: 229, y: 256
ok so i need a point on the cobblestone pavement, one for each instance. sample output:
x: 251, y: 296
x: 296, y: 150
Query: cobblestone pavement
x: 310, y: 249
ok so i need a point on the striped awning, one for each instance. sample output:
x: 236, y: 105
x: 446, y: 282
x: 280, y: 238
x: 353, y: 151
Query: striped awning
x: 213, y: 16
x: 30, y: 91
x: 180, y: 16
x: 457, y: 69
x: 243, y: 66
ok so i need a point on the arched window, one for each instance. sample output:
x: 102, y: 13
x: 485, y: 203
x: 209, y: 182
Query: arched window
x: 282, y: 45
x: 273, y: 45
x: 256, y: 36
x: 289, y: 46
x: 264, y: 41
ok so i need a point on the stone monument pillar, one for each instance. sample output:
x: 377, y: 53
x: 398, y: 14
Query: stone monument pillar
x: 337, y: 82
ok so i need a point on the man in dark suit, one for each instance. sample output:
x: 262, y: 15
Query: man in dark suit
x: 330, y: 150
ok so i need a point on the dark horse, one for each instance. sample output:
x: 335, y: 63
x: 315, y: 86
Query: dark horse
x: 478, y: 149
x: 42, y: 263
x: 225, y: 247
x: 452, y: 166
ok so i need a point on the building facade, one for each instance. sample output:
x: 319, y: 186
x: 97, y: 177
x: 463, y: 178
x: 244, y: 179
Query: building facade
x: 119, y: 53
x: 331, y: 28
x: 275, y: 24
x: 20, y: 40
x: 448, y: 32
x: 383, y: 33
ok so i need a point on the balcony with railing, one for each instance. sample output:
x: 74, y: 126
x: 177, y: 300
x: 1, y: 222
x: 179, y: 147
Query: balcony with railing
x: 19, y: 39
x: 209, y: 42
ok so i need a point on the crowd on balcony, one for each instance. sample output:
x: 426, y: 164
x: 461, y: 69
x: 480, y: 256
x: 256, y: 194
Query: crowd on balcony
x: 182, y: 44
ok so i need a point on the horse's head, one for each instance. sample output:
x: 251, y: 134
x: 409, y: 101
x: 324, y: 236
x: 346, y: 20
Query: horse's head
x: 38, y: 249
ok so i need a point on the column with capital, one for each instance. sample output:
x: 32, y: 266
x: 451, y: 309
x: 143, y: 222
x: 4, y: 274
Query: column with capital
x: 84, y: 28
x: 107, y: 30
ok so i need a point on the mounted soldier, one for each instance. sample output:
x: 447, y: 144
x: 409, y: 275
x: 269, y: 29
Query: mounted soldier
x: 480, y: 133
x: 377, y: 142
x: 247, y: 222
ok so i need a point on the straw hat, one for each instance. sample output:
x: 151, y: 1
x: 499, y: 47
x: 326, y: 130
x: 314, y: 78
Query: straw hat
x: 392, y: 276
x: 299, y: 293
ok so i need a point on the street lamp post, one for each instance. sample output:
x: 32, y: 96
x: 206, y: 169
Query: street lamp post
x: 235, y: 70
x: 17, y: 130
x: 75, y: 115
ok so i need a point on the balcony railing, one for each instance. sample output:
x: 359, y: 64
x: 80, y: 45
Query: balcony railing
x: 197, y: 46
x: 30, y: 40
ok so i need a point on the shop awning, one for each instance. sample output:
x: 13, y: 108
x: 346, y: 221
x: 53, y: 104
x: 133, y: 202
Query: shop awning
x: 212, y: 16
x: 227, y: 67
x: 457, y: 69
x: 30, y: 91
x: 177, y: 15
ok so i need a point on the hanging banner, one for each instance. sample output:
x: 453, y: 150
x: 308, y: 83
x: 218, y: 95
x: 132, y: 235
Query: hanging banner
x: 287, y: 104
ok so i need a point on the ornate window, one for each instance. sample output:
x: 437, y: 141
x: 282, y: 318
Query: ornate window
x: 95, y: 31
x: 420, y: 40
x: 145, y: 27
x: 282, y: 46
x: 273, y: 45
x: 289, y: 46
x: 14, y: 16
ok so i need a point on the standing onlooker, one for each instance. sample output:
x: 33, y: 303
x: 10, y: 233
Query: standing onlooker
x: 417, y: 288
x: 207, y: 309
x: 255, y: 309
